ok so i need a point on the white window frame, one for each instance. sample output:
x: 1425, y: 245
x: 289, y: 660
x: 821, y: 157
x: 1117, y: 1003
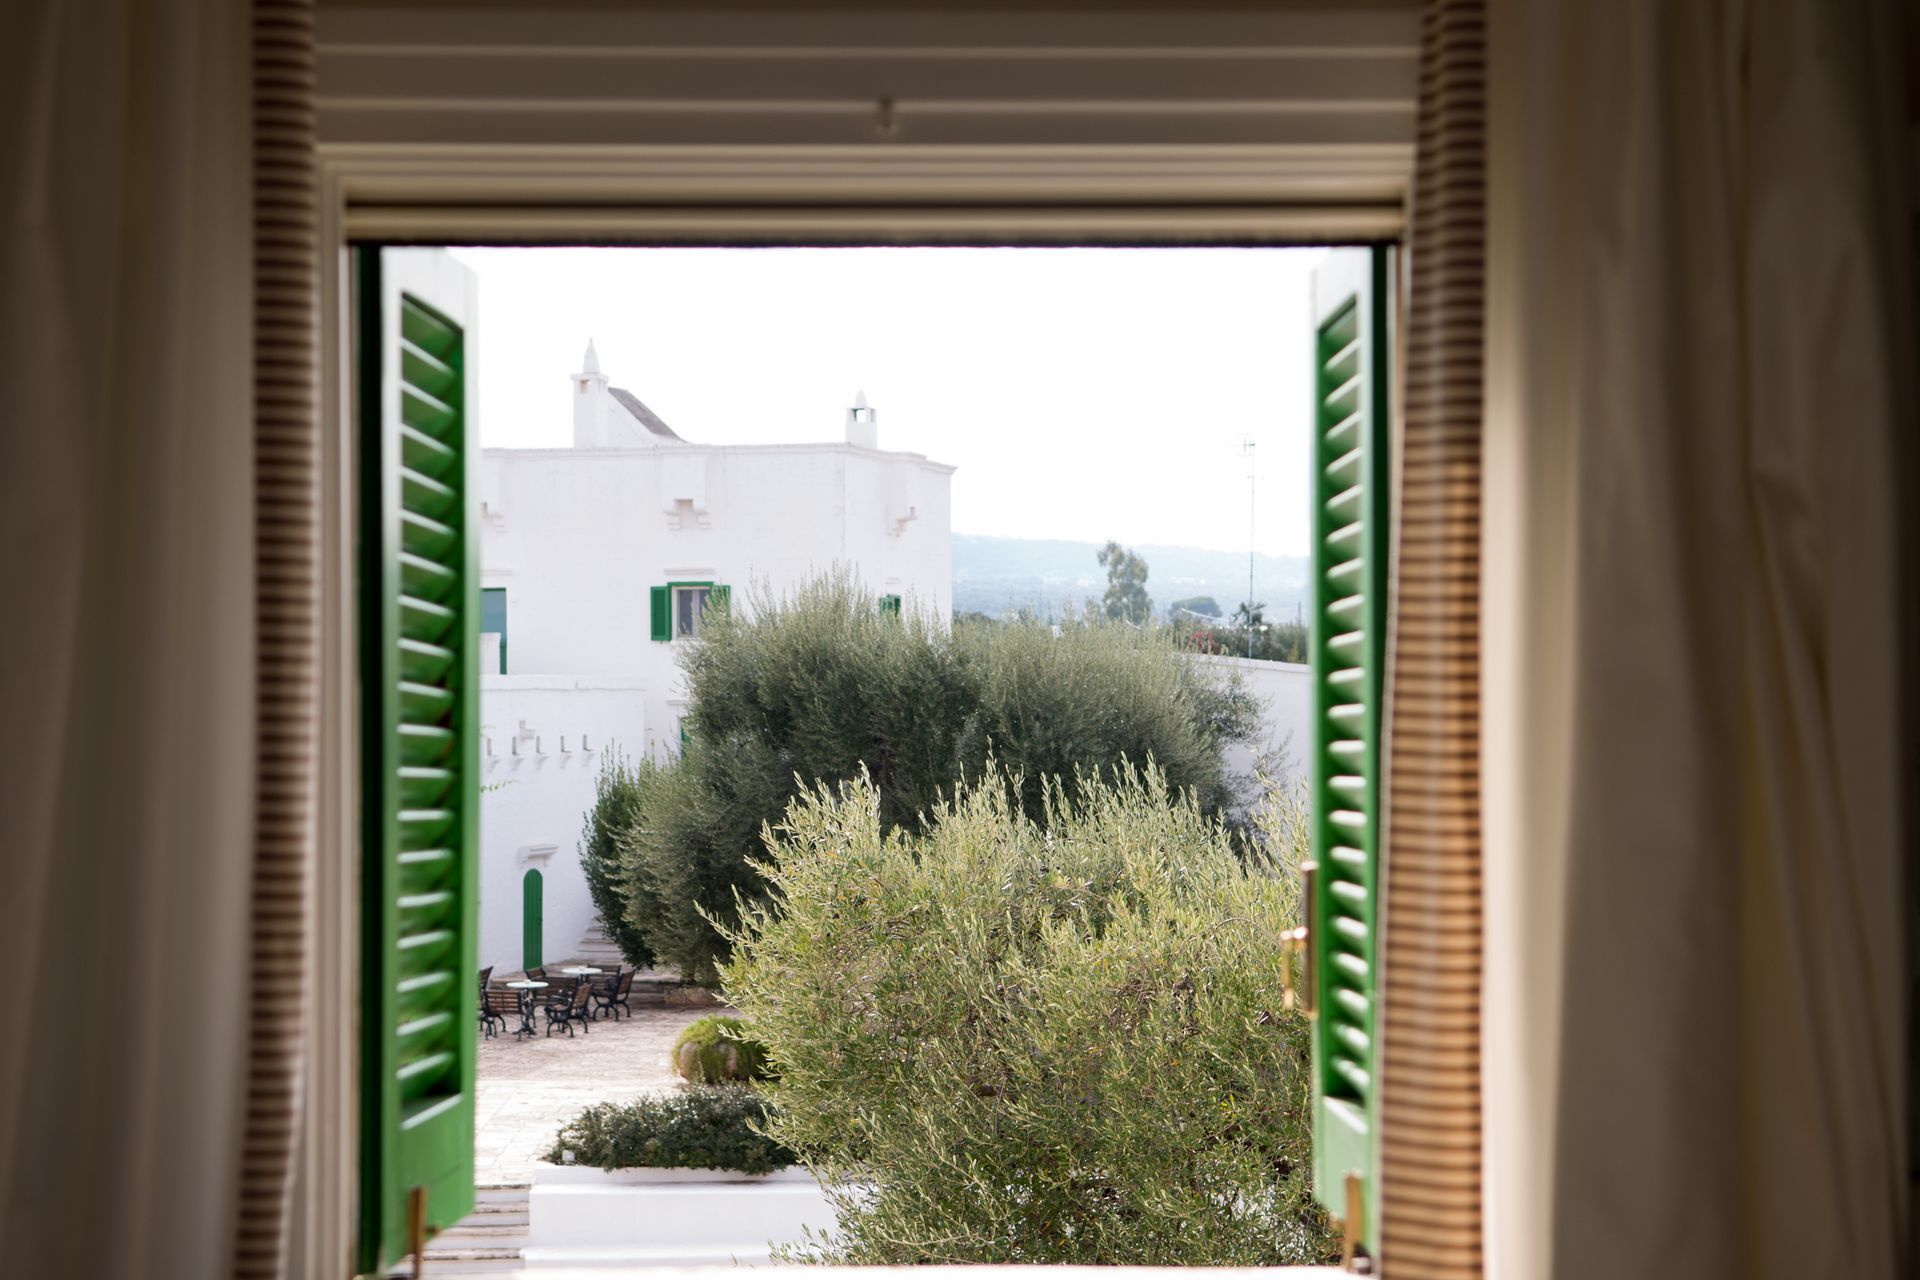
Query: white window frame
x: 691, y: 630
x: 1147, y: 162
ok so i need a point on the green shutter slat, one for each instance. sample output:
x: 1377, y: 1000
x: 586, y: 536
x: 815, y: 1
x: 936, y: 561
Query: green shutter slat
x: 425, y: 620
x: 423, y: 494
x: 662, y: 613
x: 1348, y: 582
x: 425, y: 663
x: 419, y: 605
x: 428, y: 372
x: 424, y: 704
x: 426, y: 537
x: 427, y: 579
x: 429, y: 415
x: 426, y: 455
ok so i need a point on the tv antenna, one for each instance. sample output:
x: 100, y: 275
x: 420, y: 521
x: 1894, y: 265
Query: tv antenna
x: 1246, y: 451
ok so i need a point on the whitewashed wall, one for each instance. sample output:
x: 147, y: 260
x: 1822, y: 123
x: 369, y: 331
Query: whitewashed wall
x: 1285, y: 691
x: 578, y: 536
x: 537, y: 797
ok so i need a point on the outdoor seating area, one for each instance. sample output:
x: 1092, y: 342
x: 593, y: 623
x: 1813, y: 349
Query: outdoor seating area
x: 574, y: 996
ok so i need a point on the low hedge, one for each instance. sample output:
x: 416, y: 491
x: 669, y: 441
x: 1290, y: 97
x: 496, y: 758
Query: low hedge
x: 705, y: 1127
x: 719, y: 1050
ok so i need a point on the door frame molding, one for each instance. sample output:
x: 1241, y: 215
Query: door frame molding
x: 1346, y: 187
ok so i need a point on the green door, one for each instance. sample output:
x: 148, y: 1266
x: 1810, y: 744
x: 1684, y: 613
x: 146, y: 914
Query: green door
x: 533, y: 912
x: 419, y: 675
x: 1347, y: 647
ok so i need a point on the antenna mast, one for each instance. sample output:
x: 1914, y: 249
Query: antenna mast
x: 1246, y: 451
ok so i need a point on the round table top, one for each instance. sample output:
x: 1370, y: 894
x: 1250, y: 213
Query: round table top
x: 526, y: 986
x: 583, y: 970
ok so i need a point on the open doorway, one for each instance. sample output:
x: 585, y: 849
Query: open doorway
x: 1143, y: 440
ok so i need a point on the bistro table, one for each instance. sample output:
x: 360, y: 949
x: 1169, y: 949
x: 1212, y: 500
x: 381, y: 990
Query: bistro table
x: 526, y: 987
x: 582, y: 971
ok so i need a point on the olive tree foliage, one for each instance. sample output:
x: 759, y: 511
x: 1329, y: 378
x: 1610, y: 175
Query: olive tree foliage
x: 1001, y: 1039
x: 616, y: 806
x: 825, y: 687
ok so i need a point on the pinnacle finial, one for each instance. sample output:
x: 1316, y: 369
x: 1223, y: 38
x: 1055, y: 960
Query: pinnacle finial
x: 592, y: 363
x: 860, y: 399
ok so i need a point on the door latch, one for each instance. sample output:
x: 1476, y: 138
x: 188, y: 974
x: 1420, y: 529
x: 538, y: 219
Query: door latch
x: 1299, y: 942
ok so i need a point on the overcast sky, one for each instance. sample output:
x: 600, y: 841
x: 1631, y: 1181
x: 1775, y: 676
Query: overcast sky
x: 1083, y: 393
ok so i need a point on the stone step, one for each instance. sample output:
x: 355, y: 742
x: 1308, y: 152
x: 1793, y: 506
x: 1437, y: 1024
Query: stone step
x: 479, y: 1229
x: 488, y: 1241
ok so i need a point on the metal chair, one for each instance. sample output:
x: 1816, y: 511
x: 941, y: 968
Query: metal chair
x: 610, y: 994
x: 567, y: 1003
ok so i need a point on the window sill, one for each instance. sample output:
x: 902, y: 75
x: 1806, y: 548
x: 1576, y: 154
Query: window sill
x: 942, y: 1273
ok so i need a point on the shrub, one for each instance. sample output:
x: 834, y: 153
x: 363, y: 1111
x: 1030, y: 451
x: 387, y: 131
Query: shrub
x: 718, y: 1050
x: 825, y: 687
x: 710, y: 1127
x: 1008, y: 1041
x: 616, y: 807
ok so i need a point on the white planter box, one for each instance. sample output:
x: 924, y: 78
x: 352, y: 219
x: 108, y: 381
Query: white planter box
x: 581, y: 1217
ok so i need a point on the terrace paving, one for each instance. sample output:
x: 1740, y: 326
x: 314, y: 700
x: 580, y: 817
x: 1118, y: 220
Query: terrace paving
x: 526, y: 1089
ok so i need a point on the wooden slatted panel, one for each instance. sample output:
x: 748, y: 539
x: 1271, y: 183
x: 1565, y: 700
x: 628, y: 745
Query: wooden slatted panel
x: 286, y: 452
x: 1347, y: 644
x: 420, y: 618
x: 1430, y: 1143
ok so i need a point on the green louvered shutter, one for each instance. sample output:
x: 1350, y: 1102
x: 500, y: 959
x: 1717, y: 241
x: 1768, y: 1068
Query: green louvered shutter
x: 890, y: 605
x: 661, y: 601
x: 419, y: 616
x: 1348, y: 647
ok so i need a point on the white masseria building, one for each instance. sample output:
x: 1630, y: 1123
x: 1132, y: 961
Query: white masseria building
x: 596, y: 561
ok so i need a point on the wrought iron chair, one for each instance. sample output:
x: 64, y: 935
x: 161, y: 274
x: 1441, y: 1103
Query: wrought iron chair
x: 610, y: 993
x: 567, y: 1003
x: 538, y: 973
x: 486, y: 1019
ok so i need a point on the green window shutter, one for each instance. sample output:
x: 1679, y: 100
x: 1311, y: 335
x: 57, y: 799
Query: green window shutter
x: 1347, y: 651
x: 720, y: 596
x: 419, y: 614
x: 493, y: 617
x: 662, y: 613
x: 890, y: 605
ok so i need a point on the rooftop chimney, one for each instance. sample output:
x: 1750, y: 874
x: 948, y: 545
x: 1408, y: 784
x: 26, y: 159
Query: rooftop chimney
x: 862, y: 427
x: 590, y: 403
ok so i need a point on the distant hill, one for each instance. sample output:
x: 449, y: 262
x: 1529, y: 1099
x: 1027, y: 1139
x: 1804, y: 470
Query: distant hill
x: 1001, y: 575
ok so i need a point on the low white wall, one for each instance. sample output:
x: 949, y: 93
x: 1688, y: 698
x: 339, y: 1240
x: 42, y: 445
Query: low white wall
x: 1285, y: 691
x: 543, y: 740
x: 668, y: 1217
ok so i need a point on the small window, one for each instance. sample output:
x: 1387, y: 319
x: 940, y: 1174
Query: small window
x: 493, y: 619
x: 688, y: 604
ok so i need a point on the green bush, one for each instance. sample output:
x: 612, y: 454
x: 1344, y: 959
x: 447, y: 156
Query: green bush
x: 826, y: 687
x: 1008, y: 1041
x: 709, y: 1127
x: 718, y: 1050
x: 616, y: 807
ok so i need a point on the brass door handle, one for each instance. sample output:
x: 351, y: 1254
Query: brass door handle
x: 1299, y: 941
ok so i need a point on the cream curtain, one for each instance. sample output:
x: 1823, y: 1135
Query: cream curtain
x: 126, y: 496
x: 1700, y: 364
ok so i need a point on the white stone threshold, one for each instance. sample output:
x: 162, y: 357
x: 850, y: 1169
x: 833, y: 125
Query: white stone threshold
x: 630, y: 1272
